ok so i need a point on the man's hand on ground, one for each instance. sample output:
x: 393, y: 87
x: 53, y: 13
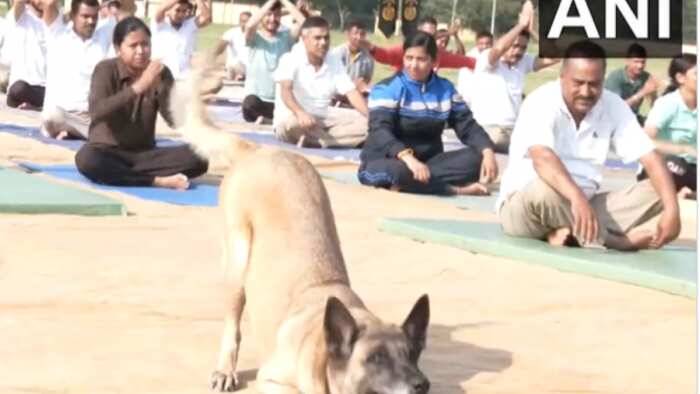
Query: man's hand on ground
x: 585, y: 220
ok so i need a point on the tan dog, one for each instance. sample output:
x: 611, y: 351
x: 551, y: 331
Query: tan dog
x: 282, y: 260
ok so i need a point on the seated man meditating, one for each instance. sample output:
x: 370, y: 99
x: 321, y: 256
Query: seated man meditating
x: 308, y: 78
x: 408, y: 111
x: 126, y: 94
x: 550, y: 189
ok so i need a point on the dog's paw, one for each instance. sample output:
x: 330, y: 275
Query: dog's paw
x: 224, y: 382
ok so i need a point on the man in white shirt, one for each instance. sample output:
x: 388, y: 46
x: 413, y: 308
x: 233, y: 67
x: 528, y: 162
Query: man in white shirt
x: 499, y: 80
x: 175, y: 35
x: 73, y: 53
x: 550, y: 189
x: 306, y: 82
x: 233, y: 41
x: 28, y: 29
x: 484, y: 41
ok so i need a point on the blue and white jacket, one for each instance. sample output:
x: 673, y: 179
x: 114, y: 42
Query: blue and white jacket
x: 404, y: 113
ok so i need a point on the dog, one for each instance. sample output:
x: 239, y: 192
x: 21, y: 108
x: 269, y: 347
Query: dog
x: 282, y: 261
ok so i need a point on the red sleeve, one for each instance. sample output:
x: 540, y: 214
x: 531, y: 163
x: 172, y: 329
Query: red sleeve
x: 392, y: 56
x: 448, y: 59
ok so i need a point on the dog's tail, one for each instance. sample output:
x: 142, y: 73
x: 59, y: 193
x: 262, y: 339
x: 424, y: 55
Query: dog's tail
x: 192, y: 120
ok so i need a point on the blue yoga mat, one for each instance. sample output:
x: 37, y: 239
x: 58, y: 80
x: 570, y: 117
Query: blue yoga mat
x: 335, y: 154
x: 74, y: 145
x: 226, y: 111
x: 197, y: 195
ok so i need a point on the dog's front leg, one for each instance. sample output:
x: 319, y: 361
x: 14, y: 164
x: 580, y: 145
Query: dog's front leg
x: 225, y: 377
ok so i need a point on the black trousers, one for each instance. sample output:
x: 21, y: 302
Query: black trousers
x: 22, y: 92
x: 113, y: 166
x: 253, y: 107
x: 454, y: 168
x: 684, y: 174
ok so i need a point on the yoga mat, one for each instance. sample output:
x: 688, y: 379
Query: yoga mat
x: 474, y: 203
x: 74, y: 145
x: 28, y: 194
x: 196, y: 195
x: 226, y: 111
x: 672, y: 269
x: 352, y: 155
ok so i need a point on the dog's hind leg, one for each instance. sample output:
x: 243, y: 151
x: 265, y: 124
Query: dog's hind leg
x: 236, y: 251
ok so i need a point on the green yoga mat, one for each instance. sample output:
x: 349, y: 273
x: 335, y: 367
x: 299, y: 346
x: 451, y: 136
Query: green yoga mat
x: 24, y: 193
x: 474, y: 203
x: 671, y: 269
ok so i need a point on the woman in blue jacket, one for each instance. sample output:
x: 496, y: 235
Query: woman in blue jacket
x: 408, y: 112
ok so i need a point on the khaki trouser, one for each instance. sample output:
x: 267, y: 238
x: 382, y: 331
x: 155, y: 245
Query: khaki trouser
x: 537, y: 210
x: 75, y: 123
x: 342, y: 128
x: 500, y: 135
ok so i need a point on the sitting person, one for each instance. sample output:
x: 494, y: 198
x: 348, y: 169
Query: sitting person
x: 27, y: 33
x: 233, y: 42
x: 551, y: 186
x: 72, y: 55
x: 673, y: 125
x: 308, y: 78
x: 499, y: 80
x: 484, y: 41
x: 393, y: 56
x: 357, y: 61
x: 266, y: 46
x: 175, y: 34
x: 126, y: 94
x: 408, y: 112
x: 443, y: 37
x: 632, y: 82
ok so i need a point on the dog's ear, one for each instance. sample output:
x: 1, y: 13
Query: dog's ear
x: 416, y: 326
x: 340, y: 329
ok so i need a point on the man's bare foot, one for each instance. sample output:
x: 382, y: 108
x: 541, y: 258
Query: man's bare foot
x: 26, y: 106
x: 472, y: 189
x: 559, y: 237
x: 177, y: 182
x: 62, y: 135
x: 634, y: 240
x: 687, y: 194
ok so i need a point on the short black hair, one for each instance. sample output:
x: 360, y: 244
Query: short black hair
x: 276, y: 7
x: 484, y: 33
x: 356, y: 23
x: 427, y: 19
x: 584, y: 49
x: 423, y: 40
x: 75, y: 5
x: 636, y: 50
x: 314, y: 21
x: 128, y: 25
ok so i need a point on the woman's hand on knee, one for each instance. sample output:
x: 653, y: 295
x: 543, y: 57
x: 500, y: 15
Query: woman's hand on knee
x: 421, y: 172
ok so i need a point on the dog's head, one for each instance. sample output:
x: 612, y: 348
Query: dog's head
x: 377, y: 358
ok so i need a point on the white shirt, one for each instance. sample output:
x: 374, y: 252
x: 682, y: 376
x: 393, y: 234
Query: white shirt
x: 236, y: 50
x: 312, y: 89
x: 174, y: 46
x: 500, y: 89
x: 26, y: 39
x: 464, y: 80
x: 71, y: 61
x: 545, y: 120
